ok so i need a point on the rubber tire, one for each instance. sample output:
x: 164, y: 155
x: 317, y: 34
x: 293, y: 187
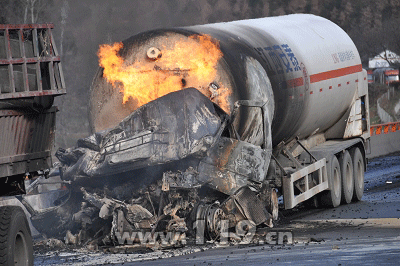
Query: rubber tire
x: 358, y: 173
x: 16, y: 246
x: 332, y: 197
x: 346, y: 169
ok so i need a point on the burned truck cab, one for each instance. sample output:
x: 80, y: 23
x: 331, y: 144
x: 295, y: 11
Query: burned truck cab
x: 198, y: 159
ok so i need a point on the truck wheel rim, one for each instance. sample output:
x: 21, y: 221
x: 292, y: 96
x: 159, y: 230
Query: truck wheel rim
x: 21, y: 256
x: 348, y: 176
x: 336, y: 181
x: 359, y: 174
x: 274, y: 205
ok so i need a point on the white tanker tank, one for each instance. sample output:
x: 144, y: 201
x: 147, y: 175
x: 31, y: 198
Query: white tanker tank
x: 312, y: 64
x: 306, y: 75
x: 305, y: 66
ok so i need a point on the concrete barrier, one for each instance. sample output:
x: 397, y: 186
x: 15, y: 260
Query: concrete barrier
x: 383, y: 115
x: 385, y: 139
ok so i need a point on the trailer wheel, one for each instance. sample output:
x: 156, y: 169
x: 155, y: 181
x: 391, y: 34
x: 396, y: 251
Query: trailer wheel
x: 272, y: 203
x: 346, y: 168
x: 358, y: 173
x: 333, y: 196
x: 15, y: 237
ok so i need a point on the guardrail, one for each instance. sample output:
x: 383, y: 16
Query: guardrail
x: 385, y: 128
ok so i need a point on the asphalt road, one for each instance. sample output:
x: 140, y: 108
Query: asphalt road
x: 362, y: 233
x: 365, y: 232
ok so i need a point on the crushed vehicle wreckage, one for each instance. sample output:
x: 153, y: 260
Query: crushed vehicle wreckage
x: 168, y: 165
x: 213, y: 130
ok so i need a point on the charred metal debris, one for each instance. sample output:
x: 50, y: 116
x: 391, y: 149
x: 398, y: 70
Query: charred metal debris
x: 172, y: 162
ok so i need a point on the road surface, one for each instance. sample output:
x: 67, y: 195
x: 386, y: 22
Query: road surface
x: 365, y: 232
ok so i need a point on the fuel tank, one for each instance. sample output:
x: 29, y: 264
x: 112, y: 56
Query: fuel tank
x: 305, y: 69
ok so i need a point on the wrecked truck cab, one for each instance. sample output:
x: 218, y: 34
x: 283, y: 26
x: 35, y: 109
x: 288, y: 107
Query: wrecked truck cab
x: 183, y: 125
x: 174, y: 127
x: 232, y: 164
x: 169, y: 149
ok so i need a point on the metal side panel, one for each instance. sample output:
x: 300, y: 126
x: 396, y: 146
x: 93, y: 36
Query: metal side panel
x: 354, y: 121
x: 26, y: 140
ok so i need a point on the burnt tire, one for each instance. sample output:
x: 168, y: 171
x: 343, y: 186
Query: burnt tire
x: 16, y: 246
x: 346, y: 169
x: 358, y: 173
x: 333, y: 197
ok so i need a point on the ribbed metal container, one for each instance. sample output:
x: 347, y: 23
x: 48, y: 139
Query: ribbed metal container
x: 26, y: 139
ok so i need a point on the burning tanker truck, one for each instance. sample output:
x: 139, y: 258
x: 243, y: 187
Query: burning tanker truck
x: 215, y: 122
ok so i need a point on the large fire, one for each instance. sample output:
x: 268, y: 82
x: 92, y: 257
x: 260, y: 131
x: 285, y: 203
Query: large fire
x: 189, y: 62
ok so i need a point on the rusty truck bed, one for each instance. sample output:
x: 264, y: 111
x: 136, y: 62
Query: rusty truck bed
x: 26, y: 138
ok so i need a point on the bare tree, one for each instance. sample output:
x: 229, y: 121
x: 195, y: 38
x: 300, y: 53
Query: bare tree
x: 32, y: 9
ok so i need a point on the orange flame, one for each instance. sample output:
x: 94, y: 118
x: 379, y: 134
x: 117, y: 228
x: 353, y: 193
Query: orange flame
x: 190, y: 62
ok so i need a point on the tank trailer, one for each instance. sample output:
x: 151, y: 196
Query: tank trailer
x: 294, y: 123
